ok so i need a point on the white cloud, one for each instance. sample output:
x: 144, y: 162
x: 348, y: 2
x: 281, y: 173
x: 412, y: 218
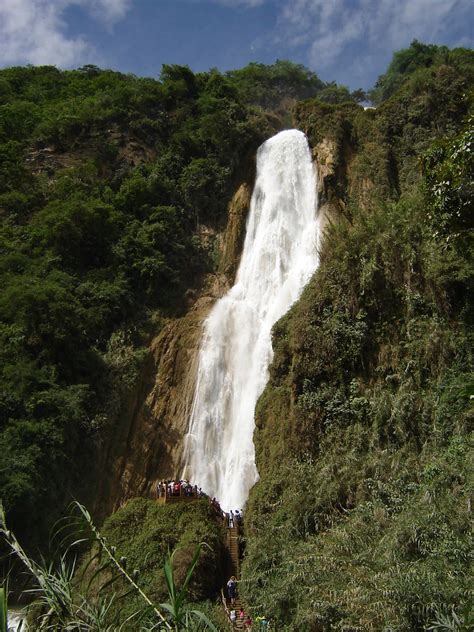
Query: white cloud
x: 34, y: 31
x: 348, y: 38
x: 328, y: 28
x: 110, y: 11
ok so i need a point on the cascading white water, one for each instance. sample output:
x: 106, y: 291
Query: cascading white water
x: 279, y: 256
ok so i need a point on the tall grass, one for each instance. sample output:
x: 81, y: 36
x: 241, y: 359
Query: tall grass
x: 181, y: 616
x: 82, y: 594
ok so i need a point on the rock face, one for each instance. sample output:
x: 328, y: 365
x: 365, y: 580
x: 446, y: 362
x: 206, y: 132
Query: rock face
x: 147, y: 441
x: 233, y: 238
x: 330, y: 205
x: 146, y: 444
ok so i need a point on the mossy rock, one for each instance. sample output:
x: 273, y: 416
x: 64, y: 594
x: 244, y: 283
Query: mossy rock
x: 144, y: 532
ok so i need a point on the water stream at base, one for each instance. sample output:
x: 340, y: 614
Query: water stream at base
x: 278, y: 258
x: 15, y: 617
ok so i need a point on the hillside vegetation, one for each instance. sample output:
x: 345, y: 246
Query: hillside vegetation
x: 105, y: 182
x: 113, y: 189
x: 144, y: 533
x: 361, y: 517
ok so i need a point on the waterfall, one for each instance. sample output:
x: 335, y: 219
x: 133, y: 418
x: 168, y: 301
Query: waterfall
x: 279, y: 257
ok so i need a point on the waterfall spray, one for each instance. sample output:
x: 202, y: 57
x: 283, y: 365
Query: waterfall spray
x: 278, y: 258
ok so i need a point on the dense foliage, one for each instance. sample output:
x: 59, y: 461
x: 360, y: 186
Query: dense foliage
x: 102, y: 593
x: 144, y: 533
x: 279, y: 85
x: 361, y: 517
x: 416, y: 59
x: 112, y: 189
x: 105, y: 182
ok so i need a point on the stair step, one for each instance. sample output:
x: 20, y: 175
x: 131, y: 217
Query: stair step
x: 233, y: 547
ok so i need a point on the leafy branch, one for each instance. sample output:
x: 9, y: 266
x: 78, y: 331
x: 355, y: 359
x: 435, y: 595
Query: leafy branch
x: 63, y: 588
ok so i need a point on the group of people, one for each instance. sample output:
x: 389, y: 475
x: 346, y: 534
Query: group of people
x: 183, y: 488
x: 245, y: 618
x: 180, y: 488
x: 233, y: 518
x: 263, y: 624
x: 165, y: 489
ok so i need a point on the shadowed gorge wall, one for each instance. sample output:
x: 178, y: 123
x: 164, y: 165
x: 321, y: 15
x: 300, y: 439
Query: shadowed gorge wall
x: 147, y: 444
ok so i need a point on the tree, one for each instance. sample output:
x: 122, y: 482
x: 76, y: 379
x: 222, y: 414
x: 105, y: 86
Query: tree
x: 269, y: 85
x: 332, y: 93
x: 448, y: 169
x: 405, y: 62
x: 204, y: 184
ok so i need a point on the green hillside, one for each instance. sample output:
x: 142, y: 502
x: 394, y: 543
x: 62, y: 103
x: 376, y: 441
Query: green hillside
x: 113, y: 191
x: 105, y: 180
x: 361, y: 517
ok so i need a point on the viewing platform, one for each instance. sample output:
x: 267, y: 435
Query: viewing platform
x: 177, y: 492
x: 181, y: 491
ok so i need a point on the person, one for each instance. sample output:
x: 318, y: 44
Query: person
x: 233, y: 617
x: 241, y: 613
x: 248, y: 622
x: 231, y: 589
x: 231, y: 519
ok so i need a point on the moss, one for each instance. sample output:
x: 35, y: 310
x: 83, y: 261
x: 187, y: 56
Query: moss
x: 360, y: 517
x: 376, y: 152
x: 144, y: 532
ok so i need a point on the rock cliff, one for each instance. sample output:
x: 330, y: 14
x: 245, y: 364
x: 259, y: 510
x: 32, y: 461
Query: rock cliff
x: 146, y: 444
x: 147, y: 441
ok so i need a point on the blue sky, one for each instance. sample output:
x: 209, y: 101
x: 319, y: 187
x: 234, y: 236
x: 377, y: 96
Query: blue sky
x: 350, y: 41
